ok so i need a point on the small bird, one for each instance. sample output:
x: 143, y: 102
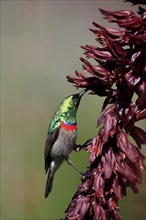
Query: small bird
x: 61, y: 137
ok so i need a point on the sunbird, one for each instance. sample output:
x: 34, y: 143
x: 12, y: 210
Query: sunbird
x: 61, y: 137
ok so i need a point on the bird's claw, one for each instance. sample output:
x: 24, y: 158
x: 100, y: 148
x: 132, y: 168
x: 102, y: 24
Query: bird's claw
x: 79, y: 147
x: 88, y: 142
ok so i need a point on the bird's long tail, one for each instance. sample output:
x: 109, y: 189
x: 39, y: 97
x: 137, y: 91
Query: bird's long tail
x: 49, y: 183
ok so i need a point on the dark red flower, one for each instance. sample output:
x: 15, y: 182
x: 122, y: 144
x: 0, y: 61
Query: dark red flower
x: 120, y: 73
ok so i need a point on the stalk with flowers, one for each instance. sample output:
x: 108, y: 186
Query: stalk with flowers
x: 119, y: 75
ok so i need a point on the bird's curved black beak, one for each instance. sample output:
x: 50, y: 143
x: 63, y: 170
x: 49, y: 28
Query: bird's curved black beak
x: 82, y: 92
x: 79, y: 95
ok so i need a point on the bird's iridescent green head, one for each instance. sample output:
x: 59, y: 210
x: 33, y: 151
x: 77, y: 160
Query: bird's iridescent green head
x: 71, y: 102
x: 67, y: 111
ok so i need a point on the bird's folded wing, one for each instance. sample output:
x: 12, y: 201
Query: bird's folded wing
x: 50, y: 140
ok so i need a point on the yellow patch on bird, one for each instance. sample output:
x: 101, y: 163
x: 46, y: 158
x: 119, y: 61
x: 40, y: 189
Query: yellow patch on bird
x: 66, y: 103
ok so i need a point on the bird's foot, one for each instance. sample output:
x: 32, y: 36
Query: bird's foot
x: 79, y: 147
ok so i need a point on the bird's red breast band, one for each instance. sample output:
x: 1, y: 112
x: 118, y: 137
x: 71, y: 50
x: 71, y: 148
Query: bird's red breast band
x: 68, y: 127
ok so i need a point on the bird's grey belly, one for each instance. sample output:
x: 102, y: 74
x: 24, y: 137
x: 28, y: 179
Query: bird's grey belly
x: 64, y: 144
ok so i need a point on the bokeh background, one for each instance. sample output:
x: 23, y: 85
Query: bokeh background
x: 40, y: 45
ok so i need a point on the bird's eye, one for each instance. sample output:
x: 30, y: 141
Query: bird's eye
x: 74, y: 97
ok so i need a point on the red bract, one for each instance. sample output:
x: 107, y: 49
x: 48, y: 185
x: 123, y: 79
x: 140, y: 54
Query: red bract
x: 120, y: 73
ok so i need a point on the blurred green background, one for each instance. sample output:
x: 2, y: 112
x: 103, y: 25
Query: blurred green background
x: 39, y: 46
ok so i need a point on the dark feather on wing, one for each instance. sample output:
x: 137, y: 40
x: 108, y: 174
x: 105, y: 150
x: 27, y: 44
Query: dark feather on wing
x: 51, y: 138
